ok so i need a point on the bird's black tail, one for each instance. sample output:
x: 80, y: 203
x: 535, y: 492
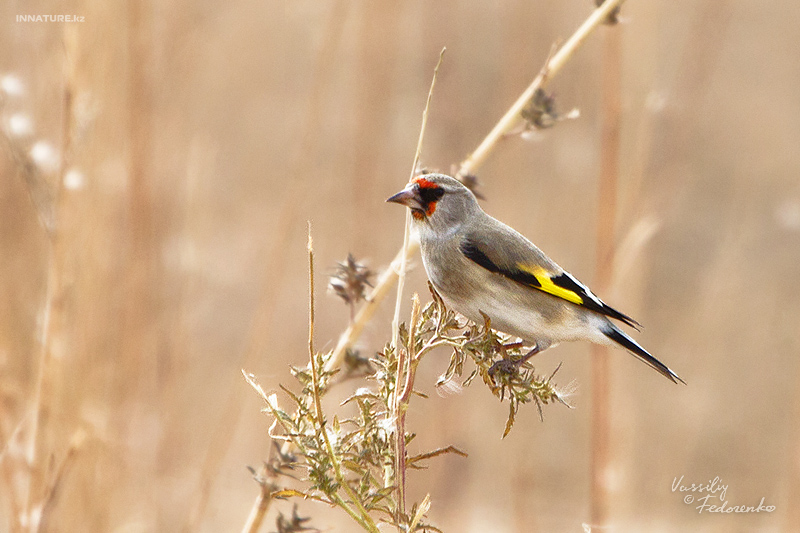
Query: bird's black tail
x: 621, y: 338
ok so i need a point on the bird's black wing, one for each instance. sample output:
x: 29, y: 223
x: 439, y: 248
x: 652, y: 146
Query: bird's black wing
x: 528, y: 266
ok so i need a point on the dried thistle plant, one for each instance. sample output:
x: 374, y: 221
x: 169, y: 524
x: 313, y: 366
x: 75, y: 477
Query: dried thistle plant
x: 350, y: 463
x: 541, y: 112
x: 359, y: 463
x: 350, y: 281
x: 488, y: 349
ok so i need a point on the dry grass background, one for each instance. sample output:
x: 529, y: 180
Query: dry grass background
x: 207, y: 135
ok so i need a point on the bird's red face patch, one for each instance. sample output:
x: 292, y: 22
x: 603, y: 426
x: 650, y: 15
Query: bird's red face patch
x: 425, y: 183
x: 429, y: 193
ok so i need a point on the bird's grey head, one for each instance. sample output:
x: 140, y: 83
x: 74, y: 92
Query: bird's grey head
x: 438, y: 202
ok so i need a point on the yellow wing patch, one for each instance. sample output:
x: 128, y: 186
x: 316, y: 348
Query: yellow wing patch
x: 546, y: 284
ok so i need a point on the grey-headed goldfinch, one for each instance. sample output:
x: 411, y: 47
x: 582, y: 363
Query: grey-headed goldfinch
x: 478, y: 264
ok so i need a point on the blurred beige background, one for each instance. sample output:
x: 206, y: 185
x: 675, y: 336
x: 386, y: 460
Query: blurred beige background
x: 193, y: 140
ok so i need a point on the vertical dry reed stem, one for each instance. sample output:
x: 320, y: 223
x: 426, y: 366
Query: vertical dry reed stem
x: 792, y: 516
x: 136, y: 374
x: 41, y: 407
x: 606, y: 215
x: 378, y: 35
x: 311, y: 309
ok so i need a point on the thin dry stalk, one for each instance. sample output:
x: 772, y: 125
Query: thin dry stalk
x: 606, y: 214
x: 359, y: 514
x: 401, y: 275
x: 258, y: 511
x: 52, y: 316
x: 377, y: 35
x: 792, y: 517
x: 402, y: 360
x: 57, y: 481
x: 469, y: 166
x: 42, y: 392
x: 402, y: 396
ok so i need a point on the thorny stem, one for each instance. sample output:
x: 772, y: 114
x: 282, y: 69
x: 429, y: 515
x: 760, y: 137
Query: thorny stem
x: 407, y: 364
x: 311, y: 317
x: 262, y: 503
x: 395, y: 407
x: 362, y: 517
x: 413, y: 357
x: 468, y: 166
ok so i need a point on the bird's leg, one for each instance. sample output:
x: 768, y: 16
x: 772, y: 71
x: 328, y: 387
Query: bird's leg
x: 536, y: 349
x: 507, y: 365
x: 510, y: 346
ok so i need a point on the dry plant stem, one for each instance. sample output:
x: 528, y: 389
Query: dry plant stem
x: 53, y: 294
x: 398, y: 266
x: 401, y: 278
x: 362, y: 517
x: 470, y: 165
x: 59, y: 474
x: 260, y: 507
x: 402, y: 396
x: 606, y: 215
x: 413, y: 357
x: 550, y: 69
x: 258, y: 511
x: 39, y: 408
x: 401, y: 275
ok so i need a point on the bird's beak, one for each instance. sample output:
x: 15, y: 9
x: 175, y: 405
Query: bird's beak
x: 408, y: 197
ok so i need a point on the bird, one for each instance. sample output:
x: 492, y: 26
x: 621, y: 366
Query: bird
x: 479, y: 265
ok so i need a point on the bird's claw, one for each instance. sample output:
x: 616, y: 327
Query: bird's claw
x: 505, y: 366
x: 509, y: 365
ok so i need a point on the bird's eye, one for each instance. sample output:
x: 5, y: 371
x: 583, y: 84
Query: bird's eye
x: 430, y: 194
